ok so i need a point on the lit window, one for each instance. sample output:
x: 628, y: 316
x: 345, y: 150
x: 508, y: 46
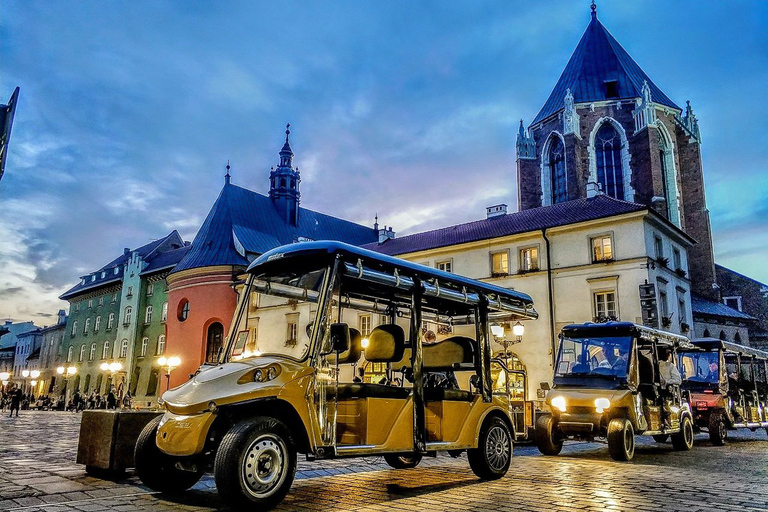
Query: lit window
x: 82, y: 352
x: 164, y: 316
x: 602, y: 249
x: 92, y: 353
x: 529, y: 259
x: 445, y: 266
x: 605, y: 305
x: 148, y: 315
x: 110, y: 320
x: 96, y: 324
x: 144, y: 344
x: 365, y: 325
x: 500, y: 263
x: 127, y: 315
x: 161, y: 344
x: 150, y: 289
x: 105, y: 351
x: 123, y: 348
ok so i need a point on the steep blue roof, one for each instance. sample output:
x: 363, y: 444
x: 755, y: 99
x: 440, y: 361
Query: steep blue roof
x: 243, y: 222
x: 599, y: 58
x: 534, y: 219
x: 706, y: 307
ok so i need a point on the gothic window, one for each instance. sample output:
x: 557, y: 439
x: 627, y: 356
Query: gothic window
x: 127, y: 316
x: 105, y: 351
x: 608, y: 153
x: 124, y: 348
x: 110, y: 320
x: 665, y: 192
x: 161, y: 344
x: 148, y: 315
x: 557, y: 170
x: 144, y: 344
x: 92, y: 353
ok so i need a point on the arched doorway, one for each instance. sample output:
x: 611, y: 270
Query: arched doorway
x: 215, y: 340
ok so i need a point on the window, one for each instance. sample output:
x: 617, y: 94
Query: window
x: 124, y: 348
x: 87, y: 325
x: 611, y: 89
x: 105, y: 351
x: 529, y: 259
x: 96, y: 324
x: 69, y: 353
x: 144, y: 344
x: 602, y: 249
x: 82, y: 352
x: 101, y: 301
x: 148, y: 315
x: 77, y: 307
x: 150, y: 289
x: 93, y: 278
x: 117, y: 270
x: 608, y: 160
x: 681, y: 309
x: 152, y: 384
x: 103, y: 274
x: 114, y: 296
x: 658, y: 247
x: 127, y: 315
x: 445, y: 266
x: 130, y: 292
x: 605, y: 305
x: 663, y: 305
x: 164, y: 315
x: 183, y: 310
x: 92, y: 352
x: 74, y: 327
x: 677, y: 259
x: 365, y: 325
x: 292, y: 331
x: 161, y: 344
x: 557, y: 170
x: 110, y: 320
x: 499, y: 264
x: 733, y: 302
x: 90, y: 303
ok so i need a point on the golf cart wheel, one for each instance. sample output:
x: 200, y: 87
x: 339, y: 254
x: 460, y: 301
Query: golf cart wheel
x: 661, y: 438
x: 683, y: 440
x: 491, y: 459
x: 545, y: 436
x: 403, y: 460
x: 621, y: 439
x: 255, y: 464
x: 157, y: 470
x: 718, y: 432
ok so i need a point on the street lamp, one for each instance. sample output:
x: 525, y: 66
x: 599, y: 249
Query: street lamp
x: 112, y: 368
x: 66, y: 373
x: 169, y: 364
x: 518, y: 329
x: 4, y: 377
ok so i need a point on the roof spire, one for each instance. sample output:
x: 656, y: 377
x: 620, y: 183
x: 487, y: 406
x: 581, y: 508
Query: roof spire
x: 287, y: 131
x: 594, y: 9
x: 376, y: 222
x: 227, y: 176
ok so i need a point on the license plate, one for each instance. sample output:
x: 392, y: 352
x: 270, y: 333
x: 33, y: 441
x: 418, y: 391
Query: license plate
x: 701, y: 405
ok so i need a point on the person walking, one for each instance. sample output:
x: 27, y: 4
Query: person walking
x: 111, y: 399
x: 16, y: 395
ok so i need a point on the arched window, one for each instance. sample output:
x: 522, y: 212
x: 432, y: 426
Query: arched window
x: 92, y: 353
x: 557, y: 171
x: 74, y: 327
x: 737, y: 337
x: 723, y: 336
x: 706, y: 333
x: 96, y: 324
x: 82, y: 352
x: 164, y: 316
x: 161, y: 344
x: 124, y: 348
x: 282, y: 182
x: 87, y: 386
x: 127, y: 315
x: 144, y: 343
x: 87, y: 325
x: 215, y: 337
x: 608, y: 155
x: 110, y: 320
x: 148, y: 315
x: 183, y: 310
x: 105, y: 351
x: 69, y: 353
x: 97, y: 387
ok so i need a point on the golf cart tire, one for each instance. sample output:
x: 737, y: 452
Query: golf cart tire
x: 621, y: 439
x: 683, y: 440
x: 403, y: 460
x: 718, y: 431
x: 157, y: 470
x: 491, y: 459
x: 545, y: 437
x: 661, y: 438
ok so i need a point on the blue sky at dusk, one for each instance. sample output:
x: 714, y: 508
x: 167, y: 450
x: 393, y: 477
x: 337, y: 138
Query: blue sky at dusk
x: 129, y: 112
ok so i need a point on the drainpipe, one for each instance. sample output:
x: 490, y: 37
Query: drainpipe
x: 550, y: 289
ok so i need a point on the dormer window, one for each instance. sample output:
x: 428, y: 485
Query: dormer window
x: 611, y: 89
x: 117, y: 270
x: 93, y: 277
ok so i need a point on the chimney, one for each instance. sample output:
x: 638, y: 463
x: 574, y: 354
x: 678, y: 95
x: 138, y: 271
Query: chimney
x: 497, y: 210
x: 593, y: 189
x: 126, y: 250
x: 62, y: 316
x: 386, y: 234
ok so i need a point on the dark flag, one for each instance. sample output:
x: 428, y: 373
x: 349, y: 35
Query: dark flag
x: 6, y: 121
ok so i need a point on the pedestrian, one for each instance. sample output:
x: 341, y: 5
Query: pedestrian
x: 111, y: 399
x: 127, y: 400
x: 16, y: 395
x: 92, y: 400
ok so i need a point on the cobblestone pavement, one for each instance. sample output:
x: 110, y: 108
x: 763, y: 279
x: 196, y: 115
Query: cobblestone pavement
x: 38, y: 472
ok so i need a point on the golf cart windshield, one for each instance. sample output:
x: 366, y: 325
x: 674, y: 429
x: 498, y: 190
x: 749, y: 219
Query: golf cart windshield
x: 604, y: 357
x: 700, y: 369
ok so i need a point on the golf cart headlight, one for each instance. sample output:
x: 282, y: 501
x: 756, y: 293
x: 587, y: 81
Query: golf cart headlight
x: 601, y: 404
x: 559, y: 403
x: 258, y: 376
x: 271, y: 373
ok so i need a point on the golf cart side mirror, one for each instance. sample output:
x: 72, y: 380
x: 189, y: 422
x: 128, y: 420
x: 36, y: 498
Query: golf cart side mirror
x: 544, y: 386
x: 340, y: 338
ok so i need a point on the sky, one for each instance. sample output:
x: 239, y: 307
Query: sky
x: 129, y: 112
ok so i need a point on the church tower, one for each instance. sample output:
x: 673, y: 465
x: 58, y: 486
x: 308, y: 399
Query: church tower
x: 607, y: 128
x: 284, y: 184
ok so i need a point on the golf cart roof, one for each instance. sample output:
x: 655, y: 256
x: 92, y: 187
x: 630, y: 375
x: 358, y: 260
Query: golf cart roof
x: 380, y: 269
x: 717, y: 344
x: 616, y: 329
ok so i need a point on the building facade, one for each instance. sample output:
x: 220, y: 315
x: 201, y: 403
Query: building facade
x: 117, y: 315
x: 240, y: 226
x: 50, y: 354
x: 8, y: 347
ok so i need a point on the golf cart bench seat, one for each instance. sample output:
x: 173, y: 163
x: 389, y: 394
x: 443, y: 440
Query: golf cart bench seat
x: 362, y: 390
x: 442, y: 394
x: 456, y: 352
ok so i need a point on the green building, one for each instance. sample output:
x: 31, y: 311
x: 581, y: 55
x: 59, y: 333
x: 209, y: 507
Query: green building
x: 117, y: 314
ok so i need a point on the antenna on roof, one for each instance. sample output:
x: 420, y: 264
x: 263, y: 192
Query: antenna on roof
x: 594, y: 9
x: 227, y: 176
x: 376, y: 222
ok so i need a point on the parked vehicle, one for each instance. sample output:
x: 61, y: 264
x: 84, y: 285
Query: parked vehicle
x: 607, y: 384
x: 727, y: 386
x: 287, y: 381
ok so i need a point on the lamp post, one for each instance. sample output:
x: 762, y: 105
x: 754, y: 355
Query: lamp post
x: 25, y: 374
x: 169, y: 364
x: 66, y: 373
